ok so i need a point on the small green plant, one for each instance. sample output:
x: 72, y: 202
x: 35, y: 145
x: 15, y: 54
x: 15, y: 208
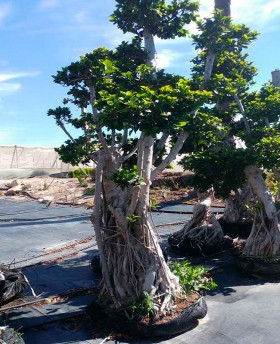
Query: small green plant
x: 84, y: 172
x: 83, y: 183
x: 133, y: 218
x: 192, y: 278
x: 271, y: 259
x: 273, y: 183
x: 153, y: 203
x: 89, y: 192
x: 144, y: 306
x: 126, y: 177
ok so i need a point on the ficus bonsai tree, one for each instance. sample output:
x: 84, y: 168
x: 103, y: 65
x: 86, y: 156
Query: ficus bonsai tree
x: 220, y: 44
x: 248, y: 117
x: 129, y: 109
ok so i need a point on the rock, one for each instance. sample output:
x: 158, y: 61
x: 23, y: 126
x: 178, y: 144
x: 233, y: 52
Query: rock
x: 12, y: 184
x: 14, y: 190
x: 46, y: 199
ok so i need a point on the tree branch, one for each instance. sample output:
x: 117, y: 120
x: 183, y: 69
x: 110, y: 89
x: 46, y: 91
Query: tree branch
x: 211, y: 56
x: 160, y: 145
x: 172, y: 154
x: 95, y: 117
x: 60, y: 123
x: 124, y: 138
x: 126, y: 157
x: 241, y: 109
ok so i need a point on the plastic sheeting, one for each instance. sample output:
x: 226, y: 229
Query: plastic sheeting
x: 22, y: 162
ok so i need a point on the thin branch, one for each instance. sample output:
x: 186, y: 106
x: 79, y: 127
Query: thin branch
x: 241, y: 109
x: 172, y: 154
x: 129, y: 155
x: 133, y: 203
x: 160, y: 145
x: 140, y: 156
x: 95, y: 117
x: 124, y: 138
x: 211, y: 56
x: 266, y: 121
x: 60, y: 123
x: 113, y: 137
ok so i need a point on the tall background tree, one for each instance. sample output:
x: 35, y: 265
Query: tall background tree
x: 221, y: 163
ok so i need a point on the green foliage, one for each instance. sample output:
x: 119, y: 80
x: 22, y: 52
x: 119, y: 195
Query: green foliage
x: 271, y: 259
x: 153, y: 202
x: 89, y: 192
x: 254, y: 206
x: 273, y: 183
x: 221, y: 169
x: 133, y: 96
x: 143, y: 307
x: 133, y: 218
x: 160, y: 19
x: 192, y: 278
x: 83, y: 172
x: 77, y: 152
x: 219, y: 34
x: 267, y: 151
x: 61, y: 114
x: 125, y: 177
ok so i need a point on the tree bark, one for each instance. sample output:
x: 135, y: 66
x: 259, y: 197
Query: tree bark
x: 235, y: 206
x: 131, y: 258
x: 224, y: 5
x: 264, y: 239
x: 202, y: 232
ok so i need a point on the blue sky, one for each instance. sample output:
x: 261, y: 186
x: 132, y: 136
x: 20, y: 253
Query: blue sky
x: 38, y: 37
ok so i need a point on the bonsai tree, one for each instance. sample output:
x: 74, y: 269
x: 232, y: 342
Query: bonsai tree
x: 224, y: 42
x: 129, y: 109
x: 248, y: 117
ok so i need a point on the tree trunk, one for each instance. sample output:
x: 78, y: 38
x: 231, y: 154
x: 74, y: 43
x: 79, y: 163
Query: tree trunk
x: 202, y: 234
x: 236, y: 210
x: 223, y: 5
x: 265, y: 236
x: 131, y: 258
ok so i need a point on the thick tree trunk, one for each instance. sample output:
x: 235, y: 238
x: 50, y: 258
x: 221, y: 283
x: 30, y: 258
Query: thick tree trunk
x: 131, y: 258
x: 265, y: 236
x: 236, y: 210
x: 202, y: 234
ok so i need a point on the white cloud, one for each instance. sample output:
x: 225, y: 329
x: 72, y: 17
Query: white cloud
x: 7, y: 89
x: 255, y: 13
x: 5, y: 10
x: 9, y: 76
x: 167, y: 57
x: 10, y: 88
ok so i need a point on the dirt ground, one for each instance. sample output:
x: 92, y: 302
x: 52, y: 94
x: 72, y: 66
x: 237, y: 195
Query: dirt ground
x: 47, y: 189
x: 69, y: 191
